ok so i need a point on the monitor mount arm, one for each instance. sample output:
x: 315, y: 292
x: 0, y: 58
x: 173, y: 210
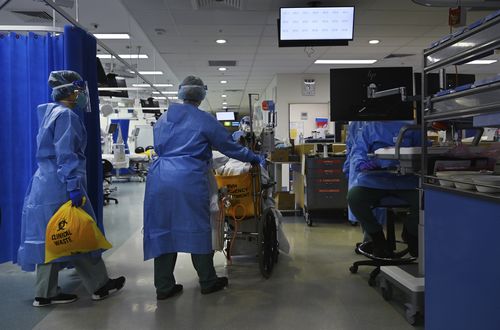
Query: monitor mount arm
x: 372, y: 92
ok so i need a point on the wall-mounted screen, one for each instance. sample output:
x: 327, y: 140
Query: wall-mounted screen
x: 225, y: 115
x: 315, y: 26
x: 349, y: 95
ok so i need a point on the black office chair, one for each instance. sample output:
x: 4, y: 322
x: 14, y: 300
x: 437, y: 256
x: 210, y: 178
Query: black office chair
x: 398, y: 257
x: 107, y: 169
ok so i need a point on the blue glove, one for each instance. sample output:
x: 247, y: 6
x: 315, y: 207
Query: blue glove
x: 258, y: 160
x: 76, y: 197
x: 368, y: 166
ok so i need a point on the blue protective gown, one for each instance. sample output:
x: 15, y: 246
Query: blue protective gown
x: 380, y: 134
x: 61, y: 143
x: 177, y: 201
x: 355, y: 128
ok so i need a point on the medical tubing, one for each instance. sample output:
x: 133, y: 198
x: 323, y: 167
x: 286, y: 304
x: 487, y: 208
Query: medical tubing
x: 235, y: 232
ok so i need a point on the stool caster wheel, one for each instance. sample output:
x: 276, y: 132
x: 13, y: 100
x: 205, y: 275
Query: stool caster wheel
x: 372, y: 282
x: 353, y: 269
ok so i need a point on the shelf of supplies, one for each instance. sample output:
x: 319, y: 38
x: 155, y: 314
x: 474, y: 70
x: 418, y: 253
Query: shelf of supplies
x: 465, y: 47
x: 469, y: 193
x: 474, y: 101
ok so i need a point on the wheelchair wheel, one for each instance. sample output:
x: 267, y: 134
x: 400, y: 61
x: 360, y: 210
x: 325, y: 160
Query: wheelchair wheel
x: 268, y: 243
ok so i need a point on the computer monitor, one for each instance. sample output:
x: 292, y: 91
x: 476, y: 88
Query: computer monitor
x: 225, y: 115
x: 112, y: 128
x: 349, y: 99
x: 150, y: 103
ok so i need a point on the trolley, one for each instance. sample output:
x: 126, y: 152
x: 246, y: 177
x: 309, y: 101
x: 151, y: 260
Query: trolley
x: 247, y: 212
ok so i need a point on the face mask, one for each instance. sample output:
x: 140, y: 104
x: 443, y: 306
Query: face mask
x: 81, y: 101
x: 245, y: 128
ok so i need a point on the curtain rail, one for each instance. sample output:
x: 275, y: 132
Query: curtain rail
x: 70, y: 19
x: 30, y: 28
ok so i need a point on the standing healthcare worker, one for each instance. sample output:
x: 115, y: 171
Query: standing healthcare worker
x: 177, y: 198
x: 371, y: 187
x: 61, y: 176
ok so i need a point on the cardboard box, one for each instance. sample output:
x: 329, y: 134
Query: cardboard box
x: 304, y: 149
x: 285, y: 200
x: 280, y: 155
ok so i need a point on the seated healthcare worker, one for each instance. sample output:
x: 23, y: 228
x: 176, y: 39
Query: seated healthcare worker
x: 353, y: 130
x: 177, y: 198
x: 61, y: 176
x: 372, y: 187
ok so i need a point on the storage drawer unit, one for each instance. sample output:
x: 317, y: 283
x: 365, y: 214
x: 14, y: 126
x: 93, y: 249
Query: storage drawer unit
x: 326, y: 185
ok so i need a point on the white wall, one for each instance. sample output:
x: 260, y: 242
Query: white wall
x: 289, y: 90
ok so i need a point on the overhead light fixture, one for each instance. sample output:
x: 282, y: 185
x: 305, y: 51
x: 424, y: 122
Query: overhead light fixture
x: 223, y: 81
x: 374, y: 42
x: 170, y: 93
x: 221, y: 41
x: 148, y: 72
x: 222, y: 69
x: 124, y: 56
x: 163, y: 85
x: 117, y: 36
x: 120, y: 89
x: 156, y: 93
x: 224, y: 103
x: 173, y: 98
x: 224, y: 108
x: 155, y: 85
x: 345, y: 61
x: 223, y: 95
x: 159, y: 97
x: 482, y: 62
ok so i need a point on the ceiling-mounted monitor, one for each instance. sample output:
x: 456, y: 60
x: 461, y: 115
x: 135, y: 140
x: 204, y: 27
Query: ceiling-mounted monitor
x: 225, y: 115
x: 315, y: 26
x: 350, y: 100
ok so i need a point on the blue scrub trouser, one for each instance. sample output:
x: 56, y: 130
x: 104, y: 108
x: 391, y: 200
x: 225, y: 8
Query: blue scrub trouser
x: 164, y: 271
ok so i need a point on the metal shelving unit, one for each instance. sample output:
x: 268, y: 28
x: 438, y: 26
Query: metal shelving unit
x: 457, y: 239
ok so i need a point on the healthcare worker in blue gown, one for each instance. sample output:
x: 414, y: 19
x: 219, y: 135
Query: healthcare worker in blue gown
x: 61, y: 176
x: 374, y: 184
x: 177, y: 200
x: 353, y: 130
x: 243, y: 128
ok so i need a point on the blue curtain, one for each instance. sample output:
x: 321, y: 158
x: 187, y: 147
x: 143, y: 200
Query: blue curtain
x: 25, y: 64
x: 80, y: 56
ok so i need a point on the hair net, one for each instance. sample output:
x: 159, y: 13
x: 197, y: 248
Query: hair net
x: 63, y: 77
x: 192, y: 88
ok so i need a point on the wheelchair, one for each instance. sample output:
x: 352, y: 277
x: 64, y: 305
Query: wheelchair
x: 249, y: 214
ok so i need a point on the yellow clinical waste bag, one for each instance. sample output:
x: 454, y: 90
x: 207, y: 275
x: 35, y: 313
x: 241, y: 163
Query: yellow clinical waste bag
x: 71, y: 231
x: 240, y: 189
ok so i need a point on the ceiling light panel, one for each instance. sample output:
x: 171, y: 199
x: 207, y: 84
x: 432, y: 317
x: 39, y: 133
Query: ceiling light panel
x: 482, y: 62
x: 148, y: 72
x: 112, y: 36
x: 345, y: 61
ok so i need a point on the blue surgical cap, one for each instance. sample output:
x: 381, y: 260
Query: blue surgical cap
x: 192, y: 88
x: 63, y: 77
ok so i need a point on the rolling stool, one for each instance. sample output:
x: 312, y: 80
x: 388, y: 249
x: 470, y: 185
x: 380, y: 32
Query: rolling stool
x: 107, y: 169
x: 397, y: 259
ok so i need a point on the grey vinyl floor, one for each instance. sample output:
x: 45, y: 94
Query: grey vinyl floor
x: 310, y: 288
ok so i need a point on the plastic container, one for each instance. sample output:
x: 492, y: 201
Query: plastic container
x: 492, y: 180
x: 449, y: 175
